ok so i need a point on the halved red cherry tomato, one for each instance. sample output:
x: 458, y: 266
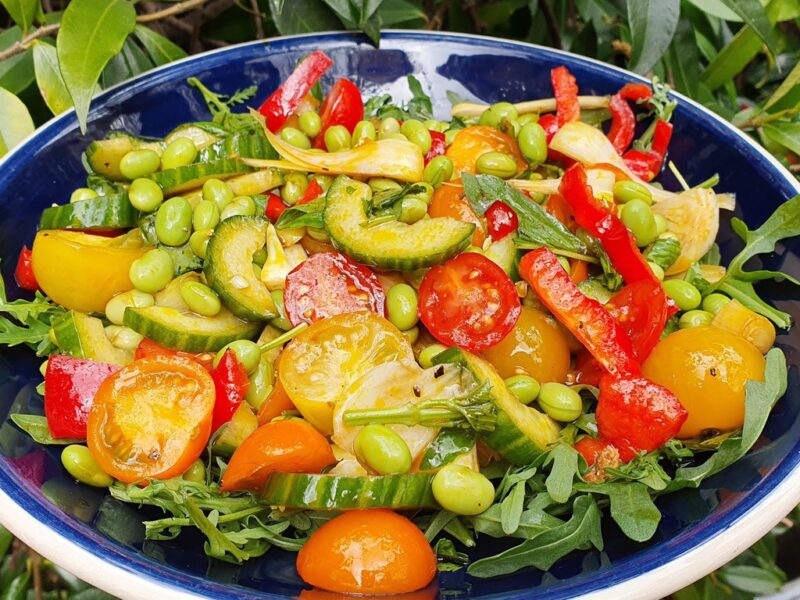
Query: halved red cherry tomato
x: 468, y: 301
x: 24, y: 272
x: 500, y: 220
x: 328, y: 284
x: 641, y: 308
x: 342, y: 106
x: 275, y: 207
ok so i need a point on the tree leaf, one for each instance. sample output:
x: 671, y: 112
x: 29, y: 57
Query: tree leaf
x: 755, y: 16
x: 751, y: 579
x: 303, y: 16
x: 787, y: 85
x: 48, y: 78
x: 23, y: 12
x: 394, y: 12
x: 16, y: 72
x: 344, y: 9
x: 92, y: 33
x: 652, y: 23
x: 160, y: 49
x: 15, y: 121
x: 786, y: 134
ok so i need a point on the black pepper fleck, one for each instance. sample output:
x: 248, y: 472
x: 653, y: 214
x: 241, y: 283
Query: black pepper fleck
x: 439, y: 372
x: 417, y: 391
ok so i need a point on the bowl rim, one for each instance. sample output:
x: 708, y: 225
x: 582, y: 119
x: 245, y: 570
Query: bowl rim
x: 660, y: 581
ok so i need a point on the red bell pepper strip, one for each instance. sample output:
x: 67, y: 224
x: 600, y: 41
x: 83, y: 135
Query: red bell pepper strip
x: 565, y: 90
x: 24, y: 271
x: 438, y: 146
x: 623, y: 120
x: 646, y: 165
x: 230, y: 383
x: 275, y: 207
x: 70, y: 385
x: 342, y: 106
x: 313, y: 191
x: 284, y: 101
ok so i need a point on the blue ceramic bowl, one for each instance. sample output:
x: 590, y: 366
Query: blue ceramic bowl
x: 102, y: 541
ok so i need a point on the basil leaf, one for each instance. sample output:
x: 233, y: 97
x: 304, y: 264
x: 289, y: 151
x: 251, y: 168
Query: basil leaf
x: 664, y: 252
x: 565, y: 465
x: 36, y: 427
x: 420, y: 106
x: 303, y: 215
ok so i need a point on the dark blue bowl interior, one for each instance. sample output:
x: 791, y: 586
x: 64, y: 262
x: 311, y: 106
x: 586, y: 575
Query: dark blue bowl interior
x: 48, y: 167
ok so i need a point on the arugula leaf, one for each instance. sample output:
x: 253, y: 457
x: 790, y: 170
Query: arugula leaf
x: 220, y: 107
x: 535, y: 223
x: 544, y: 549
x: 449, y: 558
x: 31, y: 322
x: 632, y: 507
x: 511, y: 508
x: 532, y: 521
x: 565, y: 466
x: 36, y: 427
x: 303, y: 215
x: 420, y: 106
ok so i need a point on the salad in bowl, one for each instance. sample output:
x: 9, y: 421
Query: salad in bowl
x: 337, y: 326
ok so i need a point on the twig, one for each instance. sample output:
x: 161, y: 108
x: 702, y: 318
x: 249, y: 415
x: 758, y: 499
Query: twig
x: 257, y: 17
x: 552, y: 24
x: 794, y: 168
x: 36, y: 568
x: 472, y: 11
x: 22, y: 45
x: 437, y: 20
x: 177, y: 9
x: 756, y: 122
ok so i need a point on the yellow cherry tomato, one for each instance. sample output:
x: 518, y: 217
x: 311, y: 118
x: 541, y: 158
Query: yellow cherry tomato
x: 706, y: 368
x: 82, y: 271
x: 324, y: 360
x: 537, y: 346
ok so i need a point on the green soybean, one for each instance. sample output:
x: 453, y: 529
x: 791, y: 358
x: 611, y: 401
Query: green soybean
x: 310, y: 123
x: 625, y: 191
x: 261, y: 383
x: 713, y: 303
x: 196, y: 473
x: 218, y: 192
x: 528, y: 118
x: 115, y: 308
x: 152, y: 271
x: 295, y: 137
x: 174, y: 222
x: 412, y: 209
x: 198, y: 241
x: 79, y: 462
x: 489, y: 118
x: 412, y: 335
x: 497, y: 164
x: 241, y: 205
x: 438, y: 170
x: 532, y: 141
x: 657, y: 270
x: 200, y: 298
x: 388, y: 126
x: 294, y: 187
x: 425, y: 358
x: 337, y: 138
x: 248, y: 353
x: 364, y: 131
x: 205, y: 215
x: 382, y: 450
x: 685, y: 295
x: 417, y: 134
x: 139, y: 163
x: 145, y: 194
x: 435, y: 125
x: 637, y: 216
x: 422, y: 190
x: 82, y: 193
x: 661, y: 225
x: 401, y: 306
x: 124, y: 338
x: 560, y: 402
x: 462, y: 491
x: 695, y: 318
x: 178, y: 153
x: 524, y: 387
x: 382, y: 184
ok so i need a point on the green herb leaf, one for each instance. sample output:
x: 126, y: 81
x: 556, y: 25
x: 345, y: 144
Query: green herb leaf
x: 22, y: 11
x: 395, y: 12
x: 632, y: 508
x: 531, y: 523
x: 565, y: 466
x: 15, y: 121
x: 511, y: 508
x: 303, y: 215
x: 420, y: 106
x: 48, y: 78
x: 754, y: 15
x: 449, y: 558
x: 652, y: 23
x: 446, y: 446
x: 16, y: 72
x: 664, y: 252
x: 784, y: 133
x: 36, y: 427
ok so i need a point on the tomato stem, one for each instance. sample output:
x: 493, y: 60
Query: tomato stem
x: 283, y: 338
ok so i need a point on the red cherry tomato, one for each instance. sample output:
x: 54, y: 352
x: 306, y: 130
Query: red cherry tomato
x: 590, y: 447
x: 313, y: 191
x: 24, y: 272
x: 342, y: 106
x: 275, y: 207
x: 468, y: 301
x: 641, y: 309
x: 328, y: 284
x: 438, y: 145
x: 501, y: 220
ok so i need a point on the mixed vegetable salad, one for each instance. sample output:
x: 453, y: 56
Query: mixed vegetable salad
x: 496, y: 326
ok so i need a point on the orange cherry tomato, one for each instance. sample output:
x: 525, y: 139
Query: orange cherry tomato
x: 288, y: 446
x: 578, y: 270
x: 151, y: 419
x: 148, y: 347
x: 276, y: 403
x: 367, y: 552
x: 449, y: 201
x: 475, y: 140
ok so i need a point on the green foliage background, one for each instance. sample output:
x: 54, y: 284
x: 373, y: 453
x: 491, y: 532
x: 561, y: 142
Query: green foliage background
x: 737, y: 57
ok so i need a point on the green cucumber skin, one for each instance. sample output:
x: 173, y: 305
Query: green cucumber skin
x: 333, y: 492
x: 186, y: 178
x: 103, y: 213
x: 239, y: 145
x: 103, y: 156
x: 446, y: 447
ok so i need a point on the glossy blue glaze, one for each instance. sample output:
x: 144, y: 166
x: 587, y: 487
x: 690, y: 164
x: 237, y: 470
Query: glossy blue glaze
x: 48, y: 166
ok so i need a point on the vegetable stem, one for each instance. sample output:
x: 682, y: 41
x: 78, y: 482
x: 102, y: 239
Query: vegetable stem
x: 283, y: 338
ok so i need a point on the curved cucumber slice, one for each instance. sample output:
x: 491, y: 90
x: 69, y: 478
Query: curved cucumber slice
x: 82, y: 336
x: 393, y: 245
x: 335, y: 492
x: 229, y: 267
x: 103, y: 212
x: 239, y: 145
x: 103, y: 156
x: 181, y: 179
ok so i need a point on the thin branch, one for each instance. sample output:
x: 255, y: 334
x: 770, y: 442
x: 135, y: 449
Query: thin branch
x: 258, y: 19
x: 472, y: 11
x: 552, y: 23
x: 763, y: 119
x: 177, y: 9
x: 22, y: 45
x: 437, y: 20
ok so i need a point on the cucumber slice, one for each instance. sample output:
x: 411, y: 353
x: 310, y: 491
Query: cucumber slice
x: 82, y: 336
x: 202, y: 134
x: 229, y: 267
x: 103, y: 212
x: 103, y: 156
x: 335, y: 492
x: 234, y: 432
x: 183, y: 257
x: 184, y: 330
x: 393, y: 245
x: 181, y: 179
x: 448, y: 445
x: 239, y: 145
x: 503, y: 253
x: 522, y: 433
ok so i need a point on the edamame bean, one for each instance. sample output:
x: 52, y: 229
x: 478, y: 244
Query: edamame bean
x: 382, y: 450
x: 695, y: 318
x: 83, y: 193
x: 178, y: 153
x: 364, y: 131
x: 174, y: 222
x: 524, y: 387
x: 661, y: 225
x: 435, y: 125
x: 310, y: 123
x: 80, y: 463
x: 281, y: 322
x: 425, y: 358
x: 411, y: 334
x: 422, y: 190
x: 497, y: 164
x: 685, y: 295
x: 450, y: 135
x: 401, y: 306
x: 417, y: 134
x: 115, y: 308
x: 196, y: 473
x: 295, y: 137
x: 198, y: 241
x: 528, y: 118
x: 241, y: 205
x: 139, y: 163
x: 145, y: 194
x: 637, y: 216
x: 123, y: 338
x: 200, y: 298
x: 324, y: 181
x: 382, y: 184
x: 294, y: 187
x: 560, y: 402
x: 412, y: 209
x: 248, y: 353
x: 505, y: 110
x: 489, y: 118
x: 261, y: 382
x: 337, y: 138
x: 438, y: 170
x: 152, y: 271
x: 713, y: 303
x: 625, y: 191
x: 532, y: 141
x: 388, y: 126
x: 205, y: 215
x: 218, y: 192
x: 657, y: 270
x: 461, y: 490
